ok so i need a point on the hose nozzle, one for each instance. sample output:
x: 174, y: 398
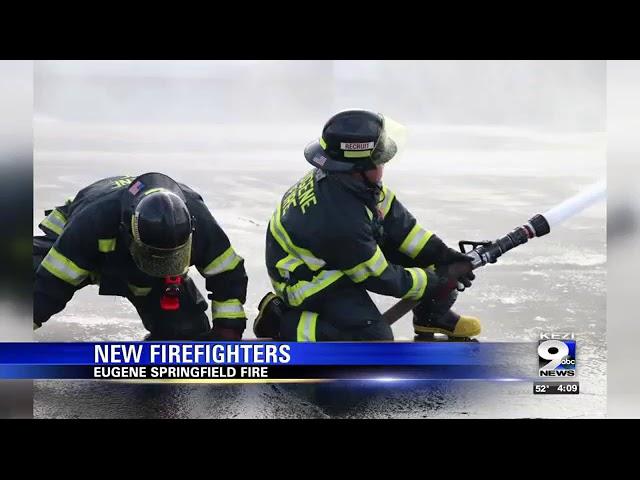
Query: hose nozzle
x: 539, y: 225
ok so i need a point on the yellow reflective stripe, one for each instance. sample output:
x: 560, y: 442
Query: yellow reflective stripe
x: 298, y: 293
x: 106, y: 245
x: 283, y: 239
x: 307, y: 327
x: 369, y: 213
x: 288, y: 264
x: 305, y: 255
x: 227, y: 309
x: 227, y: 260
x: 152, y: 190
x: 323, y: 144
x: 63, y: 268
x: 358, y: 154
x: 374, y: 266
x: 139, y: 291
x: 55, y: 222
x: 415, y: 241
x: 278, y: 287
x: 385, y: 205
x: 418, y: 284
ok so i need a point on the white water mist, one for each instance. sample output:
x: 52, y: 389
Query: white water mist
x: 574, y: 205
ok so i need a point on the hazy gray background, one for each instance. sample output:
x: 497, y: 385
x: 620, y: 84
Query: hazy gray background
x: 490, y: 144
x: 558, y: 95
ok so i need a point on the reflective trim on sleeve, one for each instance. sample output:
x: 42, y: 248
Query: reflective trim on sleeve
x: 55, y: 222
x: 387, y: 200
x: 227, y: 309
x: 288, y: 264
x: 415, y: 241
x: 226, y: 261
x: 106, y: 245
x: 139, y: 291
x: 307, y: 327
x: 418, y: 285
x: 374, y: 266
x: 60, y: 266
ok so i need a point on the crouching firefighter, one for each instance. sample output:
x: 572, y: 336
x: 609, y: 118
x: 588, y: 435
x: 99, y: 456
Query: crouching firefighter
x: 137, y: 238
x: 339, y: 233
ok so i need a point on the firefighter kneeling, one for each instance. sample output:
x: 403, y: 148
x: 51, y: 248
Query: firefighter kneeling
x: 137, y: 238
x: 339, y: 233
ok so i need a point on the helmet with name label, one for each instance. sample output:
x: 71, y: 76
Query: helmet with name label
x: 354, y: 140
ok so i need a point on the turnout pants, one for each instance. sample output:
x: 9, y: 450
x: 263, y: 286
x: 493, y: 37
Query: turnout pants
x: 346, y: 312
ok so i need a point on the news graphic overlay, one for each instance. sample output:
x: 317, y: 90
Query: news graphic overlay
x: 556, y: 388
x: 557, y: 359
x: 557, y: 355
x: 247, y: 362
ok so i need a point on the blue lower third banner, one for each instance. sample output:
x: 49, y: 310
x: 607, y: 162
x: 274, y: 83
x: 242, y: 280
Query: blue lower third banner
x: 268, y: 361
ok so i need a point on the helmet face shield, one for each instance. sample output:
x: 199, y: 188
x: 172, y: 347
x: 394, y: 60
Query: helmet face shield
x: 160, y: 233
x: 356, y: 140
x: 161, y: 262
x: 391, y: 142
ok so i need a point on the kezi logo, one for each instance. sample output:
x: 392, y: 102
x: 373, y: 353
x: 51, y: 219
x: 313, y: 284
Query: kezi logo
x: 557, y: 355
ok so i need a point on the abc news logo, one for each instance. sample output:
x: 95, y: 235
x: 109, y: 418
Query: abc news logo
x: 557, y: 355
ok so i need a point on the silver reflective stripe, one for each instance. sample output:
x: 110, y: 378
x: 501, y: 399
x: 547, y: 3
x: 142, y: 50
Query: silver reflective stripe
x: 63, y: 268
x: 57, y: 218
x: 415, y: 241
x: 282, y: 237
x: 307, y: 327
x: 289, y: 263
x: 302, y: 290
x: 385, y: 205
x: 419, y: 283
x: 55, y: 222
x: 228, y: 309
x: 374, y: 266
x: 228, y: 260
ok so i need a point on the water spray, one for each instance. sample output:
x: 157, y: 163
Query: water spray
x: 485, y: 252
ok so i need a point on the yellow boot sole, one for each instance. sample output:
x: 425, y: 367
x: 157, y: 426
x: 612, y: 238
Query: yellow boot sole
x: 466, y: 327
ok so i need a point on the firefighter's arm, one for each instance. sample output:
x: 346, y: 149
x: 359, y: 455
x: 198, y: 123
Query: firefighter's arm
x: 360, y: 258
x: 225, y: 276
x: 405, y: 235
x: 65, y: 269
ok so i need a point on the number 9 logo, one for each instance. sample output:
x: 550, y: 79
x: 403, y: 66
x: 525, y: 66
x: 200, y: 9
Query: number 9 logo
x: 553, y: 350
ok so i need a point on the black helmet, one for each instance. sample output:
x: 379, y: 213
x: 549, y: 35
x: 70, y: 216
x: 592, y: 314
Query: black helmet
x: 161, y: 228
x: 352, y: 140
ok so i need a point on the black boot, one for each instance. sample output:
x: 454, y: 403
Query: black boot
x: 437, y: 317
x: 270, y: 311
